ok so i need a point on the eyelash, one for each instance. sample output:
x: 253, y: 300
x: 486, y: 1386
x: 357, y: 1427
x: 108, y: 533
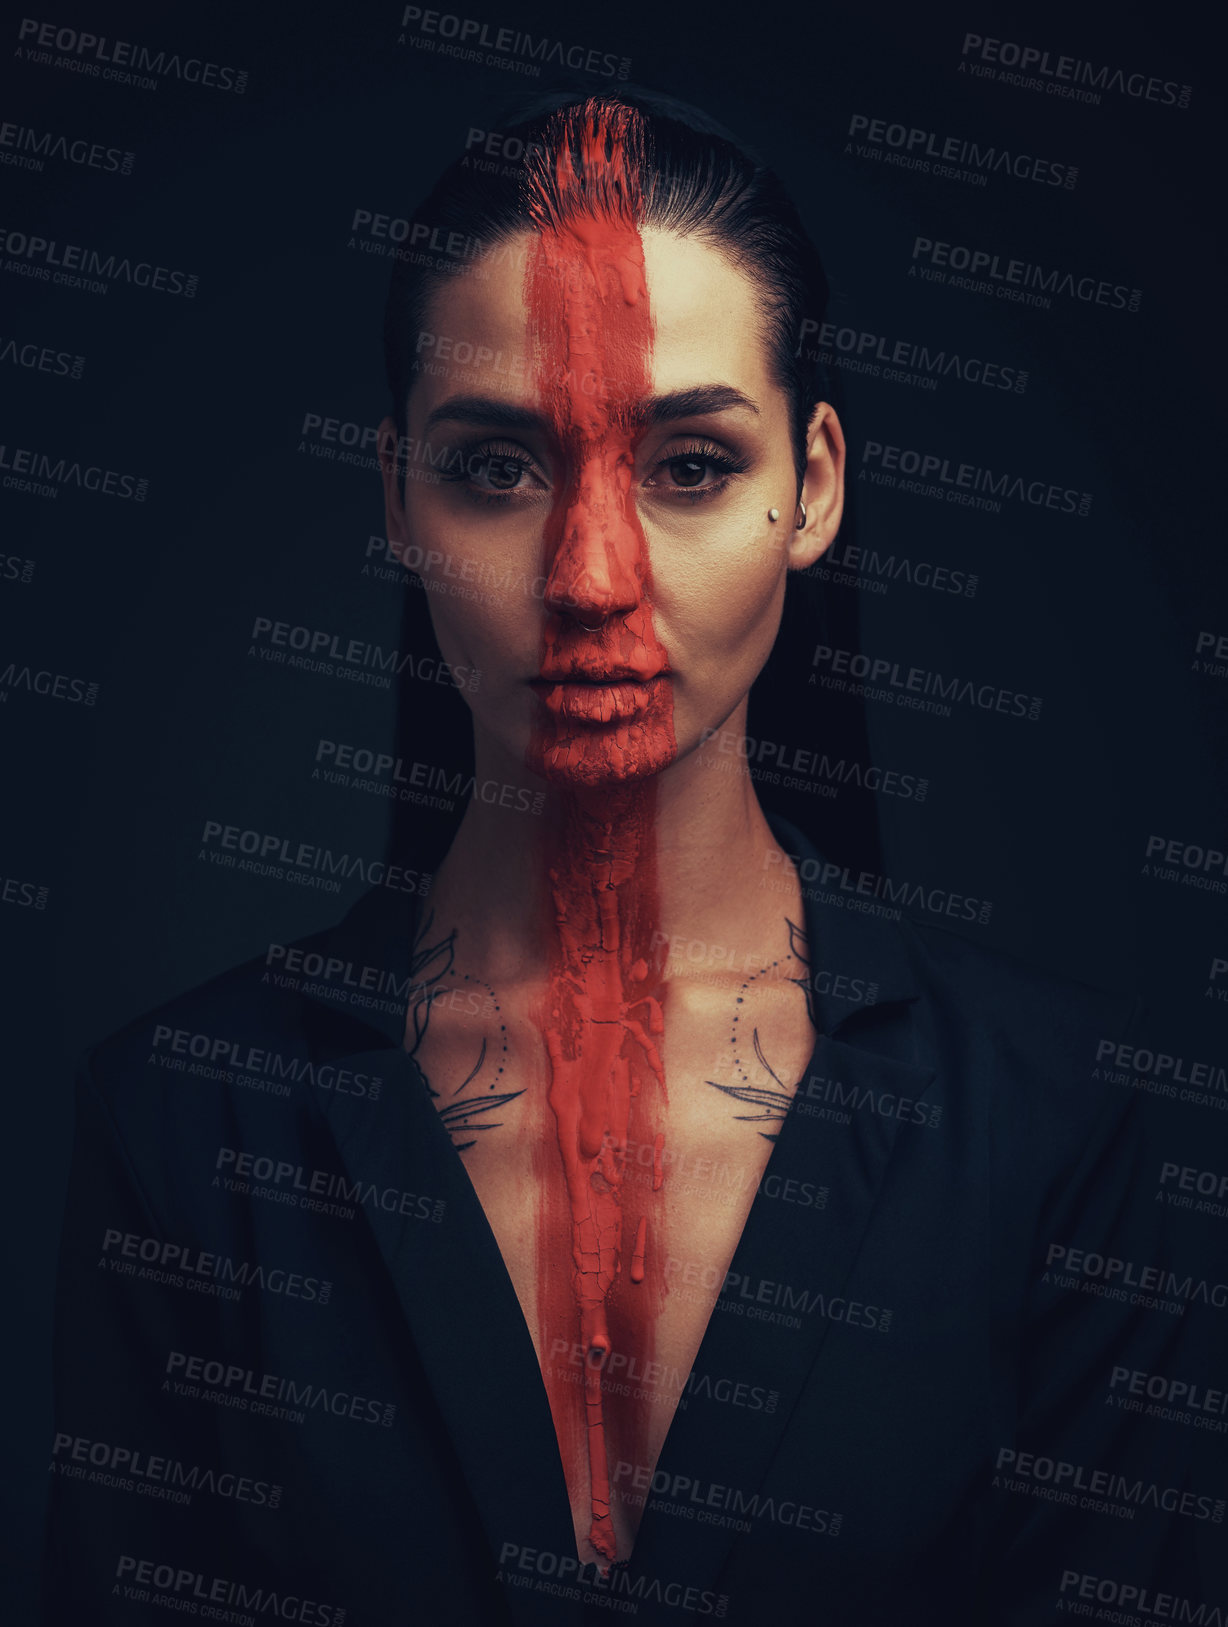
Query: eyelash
x: 461, y: 466
x: 726, y: 464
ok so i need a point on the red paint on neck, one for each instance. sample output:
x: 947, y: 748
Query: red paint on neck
x: 602, y: 746
x: 637, y: 1258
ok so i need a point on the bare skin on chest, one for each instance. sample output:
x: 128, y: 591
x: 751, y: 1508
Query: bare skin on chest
x: 733, y: 1048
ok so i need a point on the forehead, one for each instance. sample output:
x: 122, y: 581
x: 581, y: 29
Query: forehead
x: 706, y: 321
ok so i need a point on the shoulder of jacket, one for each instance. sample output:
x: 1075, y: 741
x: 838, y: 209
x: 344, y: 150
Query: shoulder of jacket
x: 998, y: 991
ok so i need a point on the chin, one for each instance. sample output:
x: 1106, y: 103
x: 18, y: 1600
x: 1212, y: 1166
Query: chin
x: 590, y: 759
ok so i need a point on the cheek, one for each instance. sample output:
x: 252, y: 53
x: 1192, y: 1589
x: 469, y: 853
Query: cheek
x: 720, y: 600
x: 472, y: 633
x: 742, y: 622
x: 483, y: 588
x: 490, y: 625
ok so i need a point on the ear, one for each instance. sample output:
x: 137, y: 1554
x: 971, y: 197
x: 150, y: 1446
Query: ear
x: 394, y: 504
x: 822, y: 489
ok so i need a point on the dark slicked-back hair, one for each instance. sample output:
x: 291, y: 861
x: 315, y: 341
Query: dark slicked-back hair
x: 676, y: 172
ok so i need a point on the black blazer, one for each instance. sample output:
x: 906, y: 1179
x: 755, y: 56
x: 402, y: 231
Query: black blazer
x: 294, y: 1382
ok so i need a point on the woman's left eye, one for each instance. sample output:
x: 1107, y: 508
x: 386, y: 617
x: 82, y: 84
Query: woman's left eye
x: 696, y: 471
x: 688, y: 471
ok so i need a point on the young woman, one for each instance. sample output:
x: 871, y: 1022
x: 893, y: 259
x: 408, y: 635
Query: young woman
x: 699, y: 1241
x: 652, y: 460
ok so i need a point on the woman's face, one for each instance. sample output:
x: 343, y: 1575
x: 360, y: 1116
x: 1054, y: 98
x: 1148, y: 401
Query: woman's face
x: 599, y: 520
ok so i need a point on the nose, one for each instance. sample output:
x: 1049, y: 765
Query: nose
x: 599, y: 565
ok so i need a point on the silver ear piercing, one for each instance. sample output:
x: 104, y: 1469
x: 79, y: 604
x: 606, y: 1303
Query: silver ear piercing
x: 774, y: 515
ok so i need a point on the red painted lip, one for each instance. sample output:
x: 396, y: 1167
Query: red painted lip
x: 598, y: 701
x: 616, y: 675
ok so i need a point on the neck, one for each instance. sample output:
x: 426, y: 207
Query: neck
x: 712, y: 854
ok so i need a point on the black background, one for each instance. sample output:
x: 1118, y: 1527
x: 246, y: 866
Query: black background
x: 206, y: 397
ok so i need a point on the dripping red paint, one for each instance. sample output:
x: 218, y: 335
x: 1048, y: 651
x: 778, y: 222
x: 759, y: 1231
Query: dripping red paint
x: 603, y: 729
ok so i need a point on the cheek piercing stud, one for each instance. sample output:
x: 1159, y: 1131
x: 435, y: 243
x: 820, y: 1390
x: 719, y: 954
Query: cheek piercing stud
x: 773, y: 514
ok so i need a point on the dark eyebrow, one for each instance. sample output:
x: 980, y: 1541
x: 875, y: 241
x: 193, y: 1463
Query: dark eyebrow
x: 489, y: 411
x: 693, y: 403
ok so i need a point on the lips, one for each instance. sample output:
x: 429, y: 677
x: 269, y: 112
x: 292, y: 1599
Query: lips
x: 558, y: 672
x: 611, y: 660
x: 615, y: 696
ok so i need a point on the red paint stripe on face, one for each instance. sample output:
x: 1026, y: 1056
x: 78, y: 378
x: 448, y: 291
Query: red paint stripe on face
x: 587, y: 297
x: 602, y: 743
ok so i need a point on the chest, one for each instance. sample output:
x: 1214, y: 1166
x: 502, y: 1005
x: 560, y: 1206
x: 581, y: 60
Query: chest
x: 618, y: 1262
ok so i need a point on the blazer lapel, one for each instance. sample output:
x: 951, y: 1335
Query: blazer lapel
x: 839, y: 1133
x: 466, y: 1323
x: 444, y: 1263
x: 781, y: 1274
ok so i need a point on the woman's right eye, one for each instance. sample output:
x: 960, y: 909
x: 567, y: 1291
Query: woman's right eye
x: 496, y: 473
x: 499, y: 474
